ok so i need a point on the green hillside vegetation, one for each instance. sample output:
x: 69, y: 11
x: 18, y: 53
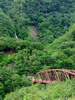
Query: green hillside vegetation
x: 62, y: 91
x: 11, y: 81
x: 9, y: 47
x: 18, y: 58
x: 62, y: 50
x: 45, y: 31
x: 12, y: 44
x: 7, y: 28
x: 51, y: 17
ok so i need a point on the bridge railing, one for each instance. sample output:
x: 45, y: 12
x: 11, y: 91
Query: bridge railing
x: 51, y: 75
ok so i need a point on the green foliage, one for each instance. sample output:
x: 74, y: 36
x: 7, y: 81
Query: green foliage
x: 6, y: 25
x: 51, y: 17
x: 12, y: 44
x: 31, y: 56
x: 1, y: 90
x: 31, y: 61
x: 62, y: 91
x: 62, y: 50
x: 11, y: 81
x: 5, y: 60
x: 19, y: 81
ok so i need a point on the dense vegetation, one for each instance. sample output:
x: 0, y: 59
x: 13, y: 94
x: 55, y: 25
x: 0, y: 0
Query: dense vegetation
x: 46, y: 40
x: 62, y: 91
x: 21, y: 58
x: 62, y: 50
x: 51, y: 17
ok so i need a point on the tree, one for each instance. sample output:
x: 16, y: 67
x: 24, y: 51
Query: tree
x: 6, y: 26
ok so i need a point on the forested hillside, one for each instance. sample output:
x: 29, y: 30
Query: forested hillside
x: 51, y: 17
x: 18, y: 58
x: 36, y: 35
x: 62, y: 50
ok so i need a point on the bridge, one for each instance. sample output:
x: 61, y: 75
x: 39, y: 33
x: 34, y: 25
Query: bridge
x: 54, y: 76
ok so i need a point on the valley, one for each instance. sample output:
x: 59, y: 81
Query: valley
x: 37, y: 36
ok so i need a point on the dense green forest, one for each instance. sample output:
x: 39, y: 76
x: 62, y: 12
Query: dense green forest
x: 48, y: 92
x: 52, y: 18
x: 45, y: 31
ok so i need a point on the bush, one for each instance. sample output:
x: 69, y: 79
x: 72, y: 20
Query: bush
x: 62, y: 91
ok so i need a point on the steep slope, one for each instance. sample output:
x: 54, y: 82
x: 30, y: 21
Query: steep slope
x: 21, y: 57
x: 7, y: 28
x: 62, y: 50
x: 52, y: 17
x: 69, y: 37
